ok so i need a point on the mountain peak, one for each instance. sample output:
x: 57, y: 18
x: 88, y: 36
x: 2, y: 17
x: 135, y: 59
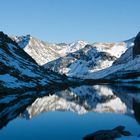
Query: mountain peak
x: 136, y: 48
x: 5, y: 39
x: 22, y: 40
x: 80, y: 42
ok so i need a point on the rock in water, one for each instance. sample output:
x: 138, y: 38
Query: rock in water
x: 136, y: 48
x: 108, y: 134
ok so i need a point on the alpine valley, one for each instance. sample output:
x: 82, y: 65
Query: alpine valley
x: 74, y: 86
x: 92, y: 62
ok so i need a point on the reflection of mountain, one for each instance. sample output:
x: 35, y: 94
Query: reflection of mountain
x: 13, y: 104
x: 83, y: 99
x: 19, y: 72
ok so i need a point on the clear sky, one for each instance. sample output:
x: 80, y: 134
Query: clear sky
x: 70, y: 20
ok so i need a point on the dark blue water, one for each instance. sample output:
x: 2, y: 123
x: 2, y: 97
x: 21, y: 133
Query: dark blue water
x: 68, y: 117
x: 65, y: 125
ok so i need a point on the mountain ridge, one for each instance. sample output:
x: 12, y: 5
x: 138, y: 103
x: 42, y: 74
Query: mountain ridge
x: 20, y: 71
x: 97, y: 61
x: 63, y: 58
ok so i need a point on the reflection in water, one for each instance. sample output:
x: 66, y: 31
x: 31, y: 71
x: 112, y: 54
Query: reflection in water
x: 136, y: 107
x: 12, y: 105
x: 82, y: 100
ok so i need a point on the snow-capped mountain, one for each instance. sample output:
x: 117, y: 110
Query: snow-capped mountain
x: 89, y: 59
x: 19, y: 71
x: 43, y: 52
x: 127, y: 56
x: 95, y: 63
x: 75, y: 59
x: 124, y: 69
x: 86, y: 61
x: 81, y: 62
x: 40, y: 51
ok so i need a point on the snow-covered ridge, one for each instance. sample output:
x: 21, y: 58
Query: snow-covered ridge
x: 74, y: 59
x: 115, y: 49
x: 81, y: 59
x: 21, y: 40
x: 125, y: 69
x: 44, y: 52
x: 90, y: 58
x: 18, y: 70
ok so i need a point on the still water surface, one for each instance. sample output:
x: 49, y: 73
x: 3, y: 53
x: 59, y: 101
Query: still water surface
x: 70, y: 114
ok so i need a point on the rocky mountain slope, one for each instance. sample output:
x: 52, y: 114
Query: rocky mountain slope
x: 44, y: 52
x: 124, y: 69
x: 98, y: 61
x: 19, y: 71
x: 78, y: 58
x: 89, y: 59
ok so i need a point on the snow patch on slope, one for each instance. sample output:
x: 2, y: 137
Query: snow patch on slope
x: 43, y: 52
x: 133, y: 65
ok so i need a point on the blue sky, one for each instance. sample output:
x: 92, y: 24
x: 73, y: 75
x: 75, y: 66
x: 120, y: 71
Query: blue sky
x: 70, y: 20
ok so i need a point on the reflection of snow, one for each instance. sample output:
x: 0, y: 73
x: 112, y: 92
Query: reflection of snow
x: 114, y: 105
x: 103, y: 90
x: 52, y: 103
x: 80, y: 100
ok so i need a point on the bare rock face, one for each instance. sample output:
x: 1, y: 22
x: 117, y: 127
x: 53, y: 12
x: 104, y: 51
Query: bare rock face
x: 136, y: 48
x: 5, y: 39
